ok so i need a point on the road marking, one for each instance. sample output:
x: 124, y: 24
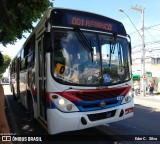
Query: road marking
x: 107, y: 125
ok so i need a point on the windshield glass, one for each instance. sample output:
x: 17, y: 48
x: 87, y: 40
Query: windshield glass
x: 89, y: 58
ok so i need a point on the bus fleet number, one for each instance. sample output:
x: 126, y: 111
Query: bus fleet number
x: 66, y: 72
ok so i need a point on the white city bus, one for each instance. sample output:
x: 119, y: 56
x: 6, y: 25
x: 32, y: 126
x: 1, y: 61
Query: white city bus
x: 74, y: 71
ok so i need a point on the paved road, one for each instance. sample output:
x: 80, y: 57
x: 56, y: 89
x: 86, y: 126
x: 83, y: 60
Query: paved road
x: 144, y: 123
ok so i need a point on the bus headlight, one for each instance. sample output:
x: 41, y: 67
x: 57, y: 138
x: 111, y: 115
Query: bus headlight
x: 128, y: 97
x: 63, y: 104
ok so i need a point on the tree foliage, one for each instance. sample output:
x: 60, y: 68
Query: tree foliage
x: 5, y: 64
x: 17, y: 16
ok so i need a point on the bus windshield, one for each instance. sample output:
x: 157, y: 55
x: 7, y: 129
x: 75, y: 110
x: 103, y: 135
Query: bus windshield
x: 87, y: 58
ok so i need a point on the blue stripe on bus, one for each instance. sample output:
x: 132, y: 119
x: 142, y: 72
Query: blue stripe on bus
x: 95, y: 105
x: 51, y: 105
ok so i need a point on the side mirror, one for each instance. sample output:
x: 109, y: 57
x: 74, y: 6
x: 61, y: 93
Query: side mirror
x: 47, y: 42
x: 130, y: 48
x: 130, y: 52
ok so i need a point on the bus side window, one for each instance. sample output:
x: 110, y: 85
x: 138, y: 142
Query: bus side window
x: 24, y: 58
x: 30, y: 60
x: 31, y: 51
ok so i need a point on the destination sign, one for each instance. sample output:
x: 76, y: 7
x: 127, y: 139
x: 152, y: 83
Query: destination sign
x: 91, y: 23
x: 86, y: 20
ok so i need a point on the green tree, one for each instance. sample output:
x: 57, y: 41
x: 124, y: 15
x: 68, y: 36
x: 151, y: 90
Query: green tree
x: 6, y: 63
x: 17, y: 16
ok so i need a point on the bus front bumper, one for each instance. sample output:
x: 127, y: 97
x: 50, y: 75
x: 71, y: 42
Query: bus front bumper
x: 61, y: 122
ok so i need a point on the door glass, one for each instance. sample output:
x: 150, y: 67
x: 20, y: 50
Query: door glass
x: 40, y: 79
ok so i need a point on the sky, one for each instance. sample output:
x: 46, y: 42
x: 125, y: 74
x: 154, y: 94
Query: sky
x: 110, y: 8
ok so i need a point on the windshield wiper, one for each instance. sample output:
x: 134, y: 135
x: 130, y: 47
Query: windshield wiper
x: 112, y: 44
x: 83, y: 40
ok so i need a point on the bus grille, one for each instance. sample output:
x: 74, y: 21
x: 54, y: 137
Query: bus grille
x: 100, y: 95
x: 100, y: 116
x: 90, y: 100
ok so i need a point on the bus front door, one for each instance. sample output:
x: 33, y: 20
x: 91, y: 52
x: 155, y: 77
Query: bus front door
x: 17, y: 87
x: 41, y: 81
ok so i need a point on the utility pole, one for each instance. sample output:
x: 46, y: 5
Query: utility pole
x: 143, y: 73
